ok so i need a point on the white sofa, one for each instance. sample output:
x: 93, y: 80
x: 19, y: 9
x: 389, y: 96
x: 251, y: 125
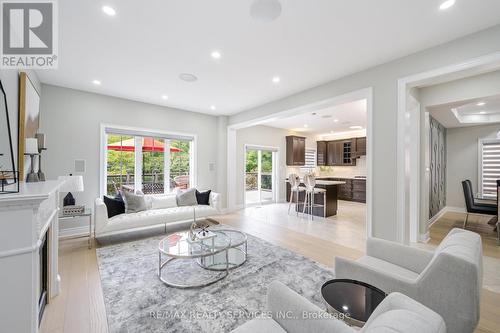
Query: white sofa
x: 150, y: 220
x: 448, y: 281
x: 290, y: 312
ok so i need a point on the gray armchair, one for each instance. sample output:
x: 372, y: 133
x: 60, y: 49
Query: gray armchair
x: 448, y: 281
x: 397, y: 313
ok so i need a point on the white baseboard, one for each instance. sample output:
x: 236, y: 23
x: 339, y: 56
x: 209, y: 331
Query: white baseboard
x: 445, y: 210
x: 73, y: 232
x: 424, y: 238
x: 456, y: 209
x: 437, y: 216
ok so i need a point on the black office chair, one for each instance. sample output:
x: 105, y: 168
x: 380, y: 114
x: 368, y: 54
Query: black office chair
x: 474, y: 207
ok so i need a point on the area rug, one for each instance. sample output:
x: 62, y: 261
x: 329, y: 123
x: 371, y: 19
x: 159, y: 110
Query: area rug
x: 137, y: 301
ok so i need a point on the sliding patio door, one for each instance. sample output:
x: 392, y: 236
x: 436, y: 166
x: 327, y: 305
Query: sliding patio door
x: 260, y: 175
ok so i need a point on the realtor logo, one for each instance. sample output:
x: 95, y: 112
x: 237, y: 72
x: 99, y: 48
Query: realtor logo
x: 29, y: 34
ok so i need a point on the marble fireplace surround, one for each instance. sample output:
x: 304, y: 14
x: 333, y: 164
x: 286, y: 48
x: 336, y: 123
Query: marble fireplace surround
x: 25, y: 218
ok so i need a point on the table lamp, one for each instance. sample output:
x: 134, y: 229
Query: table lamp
x: 71, y: 184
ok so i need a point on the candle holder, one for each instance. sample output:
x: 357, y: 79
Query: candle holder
x: 32, y: 175
x: 41, y: 147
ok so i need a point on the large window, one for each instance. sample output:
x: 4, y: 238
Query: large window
x: 489, y: 167
x: 150, y: 162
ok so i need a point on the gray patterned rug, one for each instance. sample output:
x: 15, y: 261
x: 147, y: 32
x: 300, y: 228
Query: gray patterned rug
x: 137, y: 301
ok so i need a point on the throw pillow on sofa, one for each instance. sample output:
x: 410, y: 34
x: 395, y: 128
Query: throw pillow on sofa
x: 203, y: 198
x: 114, y: 206
x: 163, y: 201
x: 134, y: 202
x: 187, y: 198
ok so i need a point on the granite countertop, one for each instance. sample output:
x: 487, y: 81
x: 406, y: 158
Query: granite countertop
x: 326, y: 182
x: 328, y: 177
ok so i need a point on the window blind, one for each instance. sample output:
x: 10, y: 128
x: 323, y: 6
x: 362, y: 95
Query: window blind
x: 490, y: 168
x: 310, y: 160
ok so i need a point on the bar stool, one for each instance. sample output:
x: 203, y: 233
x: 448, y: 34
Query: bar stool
x: 311, y: 190
x: 294, y: 181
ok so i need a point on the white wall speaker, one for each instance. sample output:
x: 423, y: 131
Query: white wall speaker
x: 80, y: 166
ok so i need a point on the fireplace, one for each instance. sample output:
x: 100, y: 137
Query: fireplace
x: 44, y: 277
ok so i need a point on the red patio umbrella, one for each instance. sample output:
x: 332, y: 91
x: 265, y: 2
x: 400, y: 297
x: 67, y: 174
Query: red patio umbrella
x: 148, y: 144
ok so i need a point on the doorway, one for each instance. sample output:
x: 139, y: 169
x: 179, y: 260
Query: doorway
x: 260, y: 175
x: 410, y: 168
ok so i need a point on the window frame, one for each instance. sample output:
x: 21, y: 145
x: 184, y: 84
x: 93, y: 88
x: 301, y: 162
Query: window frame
x: 145, y: 132
x: 481, y: 143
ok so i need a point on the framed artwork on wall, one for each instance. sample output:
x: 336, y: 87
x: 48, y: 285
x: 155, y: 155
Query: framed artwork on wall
x: 29, y: 120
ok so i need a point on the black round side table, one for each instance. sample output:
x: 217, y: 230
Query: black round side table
x: 351, y: 300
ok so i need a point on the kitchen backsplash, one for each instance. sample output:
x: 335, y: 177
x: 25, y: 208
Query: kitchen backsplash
x: 335, y: 171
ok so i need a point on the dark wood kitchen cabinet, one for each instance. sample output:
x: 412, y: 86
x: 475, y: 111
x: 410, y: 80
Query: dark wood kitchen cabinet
x: 359, y: 190
x: 360, y: 149
x: 354, y: 189
x: 340, y: 152
x: 295, y: 150
x: 321, y: 153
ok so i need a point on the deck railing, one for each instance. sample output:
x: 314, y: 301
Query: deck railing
x: 151, y: 183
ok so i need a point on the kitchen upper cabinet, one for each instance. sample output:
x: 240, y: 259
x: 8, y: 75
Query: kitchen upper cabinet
x: 321, y: 153
x: 295, y: 150
x: 339, y: 152
x: 360, y: 147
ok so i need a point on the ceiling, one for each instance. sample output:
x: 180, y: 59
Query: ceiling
x: 139, y: 53
x: 472, y: 112
x: 336, y: 119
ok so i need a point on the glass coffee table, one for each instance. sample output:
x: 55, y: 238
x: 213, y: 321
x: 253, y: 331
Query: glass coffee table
x: 219, y: 254
x: 351, y: 300
x: 236, y: 256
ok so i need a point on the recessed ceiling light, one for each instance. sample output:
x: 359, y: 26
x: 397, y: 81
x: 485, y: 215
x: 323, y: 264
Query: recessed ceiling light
x: 276, y: 79
x: 306, y: 126
x: 212, y: 107
x: 480, y: 103
x: 188, y: 77
x: 165, y: 97
x: 215, y: 54
x: 265, y: 10
x: 335, y: 120
x: 447, y: 4
x: 96, y: 82
x: 482, y: 112
x: 345, y: 307
x: 109, y: 10
x: 331, y: 132
x: 356, y: 127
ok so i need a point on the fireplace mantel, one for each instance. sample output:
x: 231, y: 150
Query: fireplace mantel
x: 25, y: 217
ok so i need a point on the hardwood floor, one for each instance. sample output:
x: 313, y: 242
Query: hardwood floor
x: 80, y: 306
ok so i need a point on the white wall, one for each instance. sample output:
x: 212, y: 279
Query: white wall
x: 383, y: 79
x: 71, y: 119
x: 462, y: 159
x: 477, y: 86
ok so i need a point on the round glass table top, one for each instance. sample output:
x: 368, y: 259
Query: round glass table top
x: 354, y: 299
x: 177, y: 245
x: 237, y: 237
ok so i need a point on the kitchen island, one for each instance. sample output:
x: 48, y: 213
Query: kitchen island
x: 331, y: 187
